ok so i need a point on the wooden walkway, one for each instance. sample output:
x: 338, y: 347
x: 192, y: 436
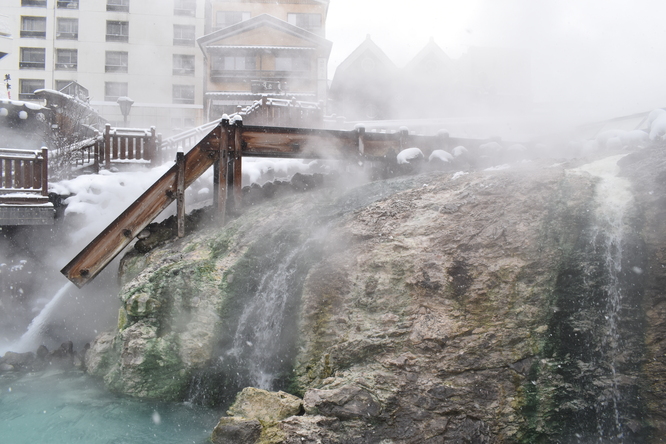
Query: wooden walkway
x: 223, y: 148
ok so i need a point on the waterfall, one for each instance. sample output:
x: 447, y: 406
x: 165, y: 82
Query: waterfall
x: 30, y: 339
x: 613, y: 199
x: 257, y: 342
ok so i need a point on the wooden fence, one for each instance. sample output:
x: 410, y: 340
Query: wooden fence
x: 23, y: 175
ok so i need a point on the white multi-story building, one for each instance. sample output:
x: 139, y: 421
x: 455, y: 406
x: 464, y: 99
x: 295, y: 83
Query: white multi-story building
x: 142, y: 49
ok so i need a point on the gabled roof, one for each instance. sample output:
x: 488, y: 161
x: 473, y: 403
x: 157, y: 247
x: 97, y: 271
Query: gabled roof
x: 263, y: 20
x: 430, y: 49
x: 367, y: 47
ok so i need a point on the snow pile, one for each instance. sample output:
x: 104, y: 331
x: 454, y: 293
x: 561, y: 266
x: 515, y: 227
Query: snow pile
x: 409, y: 155
x: 460, y: 151
x: 97, y: 199
x: 657, y: 124
x: 440, y: 155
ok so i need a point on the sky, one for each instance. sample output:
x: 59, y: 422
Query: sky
x: 600, y: 53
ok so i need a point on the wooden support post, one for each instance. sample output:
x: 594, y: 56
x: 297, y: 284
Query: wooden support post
x: 180, y: 192
x: 238, y: 165
x: 107, y: 146
x: 151, y: 147
x: 45, y: 172
x: 220, y: 172
x: 404, y: 137
x: 360, y: 132
x: 158, y: 154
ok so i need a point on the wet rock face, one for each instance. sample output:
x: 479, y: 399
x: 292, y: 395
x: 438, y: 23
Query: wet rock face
x: 429, y: 309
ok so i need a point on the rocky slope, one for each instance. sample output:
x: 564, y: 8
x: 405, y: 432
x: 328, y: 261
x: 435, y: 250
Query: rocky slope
x: 429, y: 308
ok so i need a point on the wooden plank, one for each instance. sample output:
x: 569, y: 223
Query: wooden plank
x: 108, y: 244
x: 298, y: 143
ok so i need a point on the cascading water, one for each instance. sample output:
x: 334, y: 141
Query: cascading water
x: 606, y: 284
x: 257, y: 347
x: 29, y: 341
x: 258, y: 340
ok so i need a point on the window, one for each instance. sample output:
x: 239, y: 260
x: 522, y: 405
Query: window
x: 292, y: 64
x: 68, y: 28
x: 116, y: 61
x: 68, y: 4
x: 117, y: 31
x: 33, y: 27
x: 183, y: 94
x: 33, y: 58
x: 228, y: 18
x: 183, y: 35
x: 27, y: 88
x: 233, y: 63
x: 117, y: 5
x: 61, y: 84
x: 185, y: 7
x: 311, y: 22
x: 183, y: 65
x: 114, y: 90
x: 38, y: 3
x: 66, y: 59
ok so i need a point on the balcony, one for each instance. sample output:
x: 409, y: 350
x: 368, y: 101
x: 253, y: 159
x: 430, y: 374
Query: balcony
x: 67, y: 35
x: 38, y: 3
x: 117, y: 38
x: 66, y: 66
x: 33, y: 34
x: 258, y: 75
x: 71, y: 4
x: 28, y: 96
x: 32, y: 65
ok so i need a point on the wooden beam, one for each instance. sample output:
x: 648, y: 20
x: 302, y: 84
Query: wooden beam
x: 180, y: 193
x: 238, y: 165
x: 120, y: 233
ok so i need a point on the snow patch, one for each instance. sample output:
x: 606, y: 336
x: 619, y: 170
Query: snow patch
x: 409, y: 154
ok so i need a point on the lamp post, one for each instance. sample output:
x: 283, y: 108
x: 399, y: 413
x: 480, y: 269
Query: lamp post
x: 125, y: 106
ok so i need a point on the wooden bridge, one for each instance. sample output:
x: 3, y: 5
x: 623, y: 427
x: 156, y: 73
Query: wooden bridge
x: 223, y: 148
x: 24, y: 188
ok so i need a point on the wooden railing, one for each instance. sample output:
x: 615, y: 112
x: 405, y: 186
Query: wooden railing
x: 128, y: 145
x: 23, y: 175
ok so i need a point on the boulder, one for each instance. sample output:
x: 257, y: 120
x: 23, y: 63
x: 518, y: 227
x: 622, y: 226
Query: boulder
x: 254, y: 403
x: 233, y: 430
x: 347, y: 402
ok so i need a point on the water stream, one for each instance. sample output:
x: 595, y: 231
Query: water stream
x: 609, y: 241
x: 31, y: 338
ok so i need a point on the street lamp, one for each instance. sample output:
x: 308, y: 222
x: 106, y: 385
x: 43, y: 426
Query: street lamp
x: 125, y: 106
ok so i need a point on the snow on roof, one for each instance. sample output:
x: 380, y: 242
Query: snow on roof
x: 280, y: 48
x: 21, y: 103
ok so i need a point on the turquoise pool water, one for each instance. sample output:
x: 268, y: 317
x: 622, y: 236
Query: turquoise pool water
x: 56, y: 407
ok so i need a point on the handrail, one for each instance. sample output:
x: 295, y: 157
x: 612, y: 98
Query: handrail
x: 24, y: 171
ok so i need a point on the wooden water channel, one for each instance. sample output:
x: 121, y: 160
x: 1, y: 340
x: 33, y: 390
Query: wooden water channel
x: 223, y: 148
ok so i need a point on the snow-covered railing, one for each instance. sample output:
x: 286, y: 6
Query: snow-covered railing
x: 128, y: 145
x: 268, y: 111
x: 23, y: 172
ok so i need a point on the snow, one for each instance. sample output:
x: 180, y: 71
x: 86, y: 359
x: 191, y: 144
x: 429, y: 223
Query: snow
x: 658, y: 126
x: 440, y: 155
x: 459, y: 151
x: 459, y: 174
x: 409, y: 154
x: 498, y: 167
